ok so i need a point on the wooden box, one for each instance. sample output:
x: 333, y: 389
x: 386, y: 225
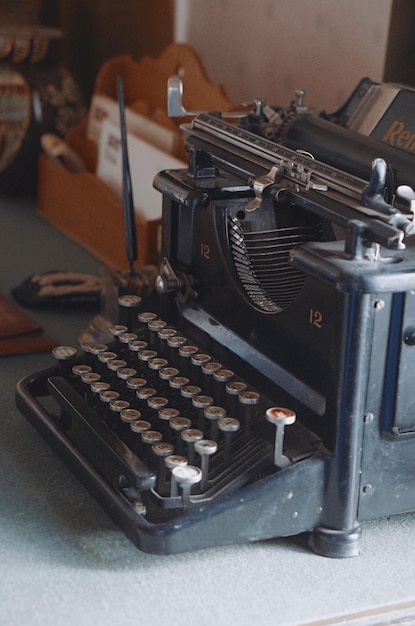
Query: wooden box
x: 80, y: 204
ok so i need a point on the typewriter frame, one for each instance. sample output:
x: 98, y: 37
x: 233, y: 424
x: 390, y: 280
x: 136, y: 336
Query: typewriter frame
x: 359, y: 463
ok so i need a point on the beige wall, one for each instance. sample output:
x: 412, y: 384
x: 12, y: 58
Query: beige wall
x: 269, y: 48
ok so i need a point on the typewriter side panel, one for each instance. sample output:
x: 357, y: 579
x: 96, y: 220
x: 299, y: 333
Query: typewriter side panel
x: 388, y: 463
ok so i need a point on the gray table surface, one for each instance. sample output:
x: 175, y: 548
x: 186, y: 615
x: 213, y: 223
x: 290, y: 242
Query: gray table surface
x: 63, y: 561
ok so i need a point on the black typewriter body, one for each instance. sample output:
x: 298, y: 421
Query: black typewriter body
x: 283, y: 333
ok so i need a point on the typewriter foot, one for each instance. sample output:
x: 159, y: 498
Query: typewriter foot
x: 337, y: 544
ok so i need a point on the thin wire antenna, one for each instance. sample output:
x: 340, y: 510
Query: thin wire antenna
x: 127, y: 190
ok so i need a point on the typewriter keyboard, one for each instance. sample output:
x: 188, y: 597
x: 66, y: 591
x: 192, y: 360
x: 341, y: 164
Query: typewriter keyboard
x: 165, y: 422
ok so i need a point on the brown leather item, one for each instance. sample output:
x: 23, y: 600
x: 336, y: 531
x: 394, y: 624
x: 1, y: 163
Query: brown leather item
x: 19, y: 333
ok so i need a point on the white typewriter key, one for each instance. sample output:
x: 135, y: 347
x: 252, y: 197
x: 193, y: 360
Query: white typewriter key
x: 205, y: 448
x: 280, y: 417
x: 229, y: 426
x: 171, y: 462
x: 214, y: 414
x: 190, y: 436
x: 187, y: 476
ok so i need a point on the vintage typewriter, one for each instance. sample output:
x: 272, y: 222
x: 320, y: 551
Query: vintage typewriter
x: 266, y: 389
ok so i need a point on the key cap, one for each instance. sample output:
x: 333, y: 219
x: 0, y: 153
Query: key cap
x: 186, y: 476
x: 229, y: 426
x: 205, y: 448
x: 280, y: 417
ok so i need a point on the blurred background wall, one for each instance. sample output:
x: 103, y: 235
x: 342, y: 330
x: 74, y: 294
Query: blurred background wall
x: 266, y: 48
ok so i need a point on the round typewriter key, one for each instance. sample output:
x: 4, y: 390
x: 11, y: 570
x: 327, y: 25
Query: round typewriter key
x: 124, y: 342
x: 280, y: 417
x: 190, y: 436
x: 118, y: 329
x: 99, y: 386
x: 173, y: 344
x: 187, y: 476
x: 178, y: 382
x: 143, y: 320
x: 220, y: 379
x: 214, y: 414
x: 155, y: 404
x: 154, y: 327
x: 200, y: 403
x: 125, y: 373
x: 205, y: 448
x: 64, y: 353
x: 90, y: 377
x: 188, y: 392
x: 135, y: 383
x: 167, y: 373
x: 128, y: 305
x: 167, y: 413
x: 78, y: 371
x: 119, y: 405
x: 106, y: 397
x: 95, y: 389
x: 116, y: 406
x: 144, y: 356
x: 171, y: 462
x: 157, y: 363
x: 97, y: 348
x: 136, y: 345
x: 248, y: 401
x: 233, y: 389
x: 130, y: 415
x: 65, y: 356
x: 116, y: 364
x: 163, y: 335
x: 177, y: 424
x: 185, y: 358
x: 229, y: 426
x: 197, y: 360
x: 149, y: 438
x: 139, y: 426
x: 106, y: 357
x: 208, y: 370
x: 162, y: 450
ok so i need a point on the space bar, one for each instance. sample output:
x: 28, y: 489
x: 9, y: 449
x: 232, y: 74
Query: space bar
x: 99, y: 444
